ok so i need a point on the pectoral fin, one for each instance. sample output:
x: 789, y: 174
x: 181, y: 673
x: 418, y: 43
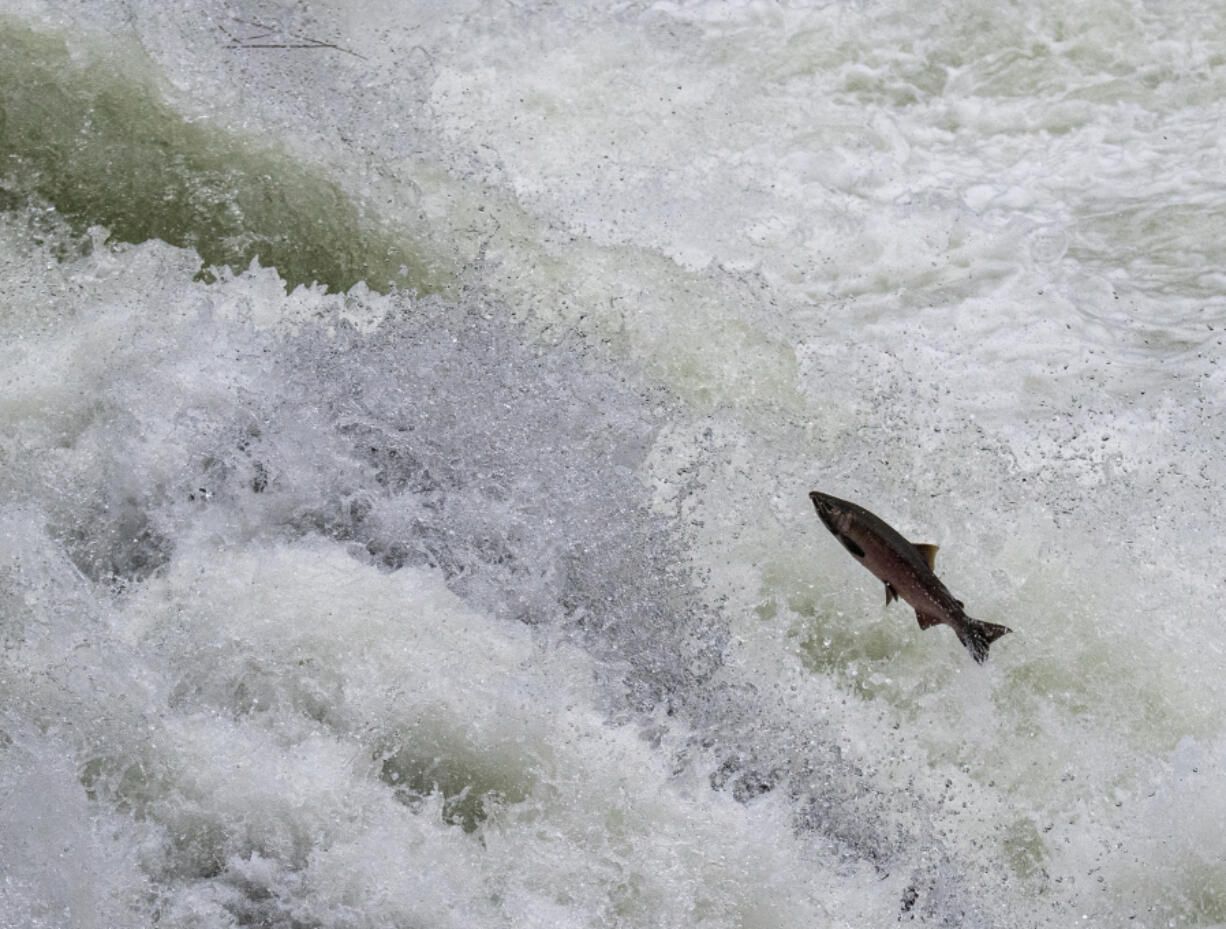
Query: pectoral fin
x: 929, y: 551
x: 890, y: 593
x: 926, y: 620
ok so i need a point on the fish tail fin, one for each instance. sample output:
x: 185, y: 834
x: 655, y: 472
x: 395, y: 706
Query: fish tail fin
x: 977, y: 636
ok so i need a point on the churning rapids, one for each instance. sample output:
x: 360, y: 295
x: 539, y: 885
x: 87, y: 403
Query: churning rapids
x: 409, y: 414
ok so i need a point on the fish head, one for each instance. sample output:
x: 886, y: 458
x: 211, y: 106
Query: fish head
x: 840, y: 518
x: 829, y: 510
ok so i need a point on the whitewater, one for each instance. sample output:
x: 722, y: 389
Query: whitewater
x: 409, y: 412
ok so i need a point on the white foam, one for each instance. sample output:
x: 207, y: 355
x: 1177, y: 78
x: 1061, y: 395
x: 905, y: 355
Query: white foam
x: 891, y: 253
x: 292, y: 687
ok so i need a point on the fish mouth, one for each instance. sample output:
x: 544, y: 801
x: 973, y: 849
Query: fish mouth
x: 824, y: 507
x: 820, y: 500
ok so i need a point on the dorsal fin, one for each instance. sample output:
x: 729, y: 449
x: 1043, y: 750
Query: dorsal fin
x: 929, y: 551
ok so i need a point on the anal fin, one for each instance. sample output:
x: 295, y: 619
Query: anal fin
x: 890, y: 593
x: 927, y: 620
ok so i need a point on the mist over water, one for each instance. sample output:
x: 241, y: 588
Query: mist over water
x: 409, y: 414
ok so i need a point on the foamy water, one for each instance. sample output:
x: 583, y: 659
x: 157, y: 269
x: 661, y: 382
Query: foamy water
x: 441, y: 554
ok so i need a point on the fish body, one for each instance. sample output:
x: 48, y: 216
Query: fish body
x: 906, y: 569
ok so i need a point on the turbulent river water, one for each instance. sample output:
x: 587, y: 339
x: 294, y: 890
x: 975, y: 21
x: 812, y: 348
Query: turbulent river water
x: 409, y: 412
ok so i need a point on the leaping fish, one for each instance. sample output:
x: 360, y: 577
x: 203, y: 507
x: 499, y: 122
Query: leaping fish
x: 906, y: 568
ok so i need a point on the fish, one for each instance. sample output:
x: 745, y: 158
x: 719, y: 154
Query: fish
x: 906, y: 568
